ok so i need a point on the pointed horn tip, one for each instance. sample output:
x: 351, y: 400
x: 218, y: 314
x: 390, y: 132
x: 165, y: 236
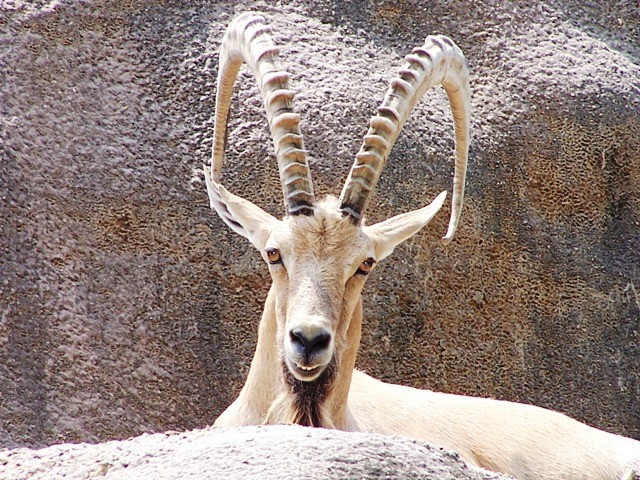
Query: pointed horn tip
x: 446, y: 240
x: 442, y: 196
x: 208, y: 173
x: 212, y: 192
x: 453, y: 225
x: 213, y: 187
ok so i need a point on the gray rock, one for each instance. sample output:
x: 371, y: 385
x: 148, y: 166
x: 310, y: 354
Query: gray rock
x: 242, y: 453
x: 127, y: 307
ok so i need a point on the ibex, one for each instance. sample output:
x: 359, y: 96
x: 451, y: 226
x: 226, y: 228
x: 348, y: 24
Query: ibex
x: 319, y: 256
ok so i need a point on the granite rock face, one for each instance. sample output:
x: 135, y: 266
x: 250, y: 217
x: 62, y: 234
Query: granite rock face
x: 127, y: 307
x: 241, y: 454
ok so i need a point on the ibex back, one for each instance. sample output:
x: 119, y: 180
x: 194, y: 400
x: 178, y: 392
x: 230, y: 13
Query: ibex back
x: 319, y: 256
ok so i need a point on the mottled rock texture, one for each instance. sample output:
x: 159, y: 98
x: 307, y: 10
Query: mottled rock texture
x: 259, y: 453
x: 126, y: 306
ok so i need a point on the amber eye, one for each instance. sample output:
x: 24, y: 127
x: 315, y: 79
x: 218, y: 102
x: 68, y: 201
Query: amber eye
x: 366, y: 266
x: 273, y: 255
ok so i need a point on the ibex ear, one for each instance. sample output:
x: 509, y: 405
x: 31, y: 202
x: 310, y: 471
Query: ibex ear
x: 389, y: 234
x: 241, y: 215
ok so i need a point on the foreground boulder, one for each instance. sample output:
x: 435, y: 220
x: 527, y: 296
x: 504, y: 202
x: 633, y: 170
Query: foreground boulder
x: 127, y: 307
x: 242, y: 453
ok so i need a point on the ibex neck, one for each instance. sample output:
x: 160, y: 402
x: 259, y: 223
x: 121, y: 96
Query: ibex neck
x: 261, y: 387
x: 337, y: 402
x: 266, y: 385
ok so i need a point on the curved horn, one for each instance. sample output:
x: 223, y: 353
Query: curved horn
x: 438, y: 61
x: 247, y: 40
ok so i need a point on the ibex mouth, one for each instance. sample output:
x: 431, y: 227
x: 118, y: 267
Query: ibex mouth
x: 305, y: 373
x: 307, y: 369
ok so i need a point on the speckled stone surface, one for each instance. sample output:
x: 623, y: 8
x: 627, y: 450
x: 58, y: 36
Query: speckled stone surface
x: 242, y: 453
x: 127, y: 307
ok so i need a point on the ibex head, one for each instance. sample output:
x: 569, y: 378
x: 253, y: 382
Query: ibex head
x: 320, y: 253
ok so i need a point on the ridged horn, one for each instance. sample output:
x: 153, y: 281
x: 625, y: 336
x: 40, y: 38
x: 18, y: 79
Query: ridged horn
x: 438, y: 62
x: 248, y: 40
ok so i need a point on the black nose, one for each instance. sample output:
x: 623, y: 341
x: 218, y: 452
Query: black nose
x: 309, y: 343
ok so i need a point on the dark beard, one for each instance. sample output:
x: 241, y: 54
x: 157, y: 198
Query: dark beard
x: 309, y: 397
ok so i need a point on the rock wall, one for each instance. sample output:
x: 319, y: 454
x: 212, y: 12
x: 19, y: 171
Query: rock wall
x: 127, y: 307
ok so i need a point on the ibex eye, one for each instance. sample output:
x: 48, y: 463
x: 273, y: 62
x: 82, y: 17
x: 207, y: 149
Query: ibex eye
x: 273, y: 255
x: 366, y: 266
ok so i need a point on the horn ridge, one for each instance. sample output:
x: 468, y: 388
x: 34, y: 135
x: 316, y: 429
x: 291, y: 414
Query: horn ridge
x: 248, y: 40
x: 437, y: 61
